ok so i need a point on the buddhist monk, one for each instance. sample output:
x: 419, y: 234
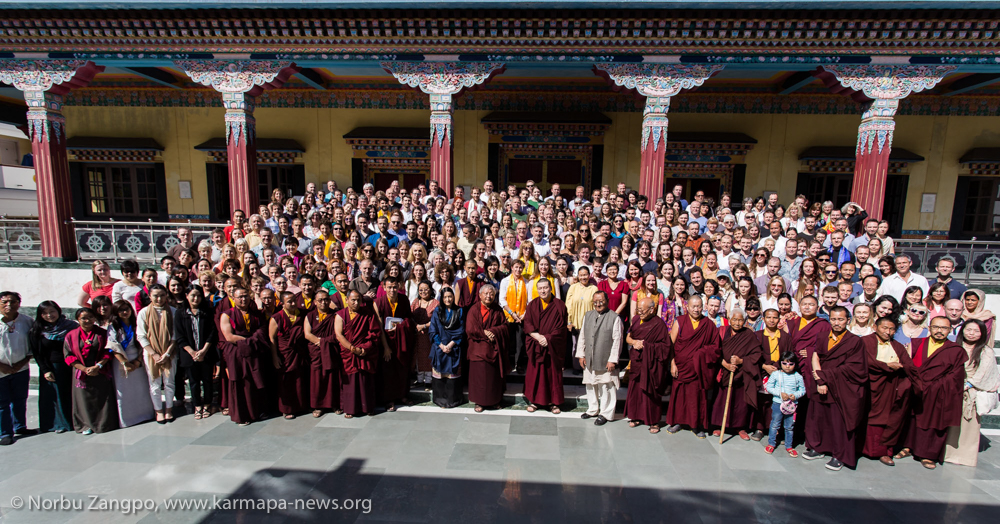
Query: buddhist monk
x: 649, y: 362
x: 697, y: 349
x: 489, y: 340
x: 338, y: 298
x: 774, y: 343
x: 467, y: 289
x: 227, y: 303
x: 358, y: 332
x: 807, y: 334
x: 940, y: 367
x: 245, y: 351
x: 840, y: 371
x: 890, y: 379
x: 547, y: 332
x: 290, y: 356
x: 304, y: 298
x: 399, y: 335
x: 741, y: 355
x: 324, y: 356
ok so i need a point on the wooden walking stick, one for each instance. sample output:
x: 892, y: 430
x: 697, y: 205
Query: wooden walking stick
x: 725, y: 414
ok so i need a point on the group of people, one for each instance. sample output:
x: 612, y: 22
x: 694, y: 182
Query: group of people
x: 341, y: 301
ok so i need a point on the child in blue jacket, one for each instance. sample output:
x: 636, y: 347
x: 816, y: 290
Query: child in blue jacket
x: 786, y: 388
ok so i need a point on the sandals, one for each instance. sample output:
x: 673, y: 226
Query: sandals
x: 289, y: 416
x: 928, y: 463
x: 159, y: 418
x: 338, y: 412
x: 654, y: 429
x: 168, y: 416
x: 479, y: 409
x: 348, y: 416
x: 390, y: 408
x: 225, y: 412
x: 532, y: 408
x: 555, y: 410
x: 903, y: 453
x: 634, y: 423
x: 199, y: 413
x: 317, y: 413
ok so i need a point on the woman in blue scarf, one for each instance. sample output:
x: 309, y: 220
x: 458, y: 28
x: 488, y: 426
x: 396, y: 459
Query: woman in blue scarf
x: 131, y: 381
x: 55, y: 401
x: 447, y: 338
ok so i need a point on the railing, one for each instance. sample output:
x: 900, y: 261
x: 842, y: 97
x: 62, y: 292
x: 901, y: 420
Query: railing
x: 20, y: 239
x: 977, y: 262
x: 116, y: 241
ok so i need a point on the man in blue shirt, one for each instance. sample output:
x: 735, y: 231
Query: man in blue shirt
x: 383, y: 232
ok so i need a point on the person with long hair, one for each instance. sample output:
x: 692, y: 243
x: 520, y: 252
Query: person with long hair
x: 85, y: 350
x: 45, y: 339
x: 155, y: 333
x: 100, y: 284
x: 423, y: 306
x: 862, y: 321
x: 884, y: 306
x: 197, y: 337
x: 543, y: 270
x: 131, y: 382
x: 633, y: 278
x: 674, y: 303
x: 743, y: 290
x: 914, y: 324
x: 937, y: 295
x: 650, y: 289
x: 979, y: 395
x: 975, y: 309
x: 526, y: 254
x: 446, y: 338
x: 103, y: 310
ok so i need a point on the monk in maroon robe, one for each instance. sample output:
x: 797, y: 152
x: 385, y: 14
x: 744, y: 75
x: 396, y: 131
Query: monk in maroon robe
x: 290, y: 356
x: 808, y: 333
x: 324, y: 356
x: 224, y: 305
x: 891, y: 376
x: 773, y: 343
x: 649, y: 366
x: 697, y: 349
x: 837, y: 411
x: 398, y: 341
x: 940, y: 367
x: 358, y: 332
x: 467, y: 289
x: 741, y: 354
x: 489, y: 341
x: 304, y: 298
x: 245, y: 352
x: 545, y: 325
x: 338, y: 297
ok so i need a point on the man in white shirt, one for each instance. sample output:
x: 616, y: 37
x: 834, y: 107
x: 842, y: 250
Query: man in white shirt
x: 895, y: 284
x: 538, y: 240
x: 726, y: 249
x: 578, y: 201
x: 779, y: 241
x: 14, y: 374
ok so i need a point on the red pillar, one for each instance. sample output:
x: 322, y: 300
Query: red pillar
x: 654, y: 147
x: 441, y: 133
x: 241, y: 146
x: 871, y: 166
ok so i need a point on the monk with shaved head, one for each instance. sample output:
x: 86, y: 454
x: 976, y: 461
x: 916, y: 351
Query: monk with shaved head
x: 650, y: 353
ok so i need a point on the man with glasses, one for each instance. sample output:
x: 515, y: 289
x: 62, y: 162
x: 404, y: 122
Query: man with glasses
x: 891, y: 375
x: 940, y: 367
x: 869, y: 291
x: 895, y: 284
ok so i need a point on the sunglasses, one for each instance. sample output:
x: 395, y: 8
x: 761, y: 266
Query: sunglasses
x: 831, y: 272
x: 753, y: 309
x: 787, y: 363
x: 918, y: 311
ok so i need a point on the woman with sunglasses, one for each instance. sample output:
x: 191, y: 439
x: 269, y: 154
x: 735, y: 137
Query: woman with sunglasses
x: 914, y: 324
x: 758, y: 264
x: 130, y: 284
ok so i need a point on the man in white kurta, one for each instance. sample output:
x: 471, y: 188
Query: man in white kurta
x: 597, y: 348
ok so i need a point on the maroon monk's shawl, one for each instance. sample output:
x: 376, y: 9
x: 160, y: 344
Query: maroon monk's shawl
x: 744, y: 344
x: 844, y: 371
x: 362, y: 332
x: 942, y: 375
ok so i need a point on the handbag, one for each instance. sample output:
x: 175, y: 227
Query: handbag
x: 986, y: 401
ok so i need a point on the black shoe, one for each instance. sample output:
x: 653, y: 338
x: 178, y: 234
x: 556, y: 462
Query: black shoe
x: 834, y: 464
x: 26, y: 432
x: 757, y: 436
x: 600, y: 421
x: 673, y: 429
x: 6, y: 441
x: 811, y: 454
x: 585, y: 416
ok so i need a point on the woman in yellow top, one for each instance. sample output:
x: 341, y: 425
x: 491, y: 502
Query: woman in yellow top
x: 543, y: 269
x: 649, y: 289
x: 580, y: 299
x: 526, y: 253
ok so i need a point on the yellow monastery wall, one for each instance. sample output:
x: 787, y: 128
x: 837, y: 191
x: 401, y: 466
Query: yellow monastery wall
x: 772, y: 165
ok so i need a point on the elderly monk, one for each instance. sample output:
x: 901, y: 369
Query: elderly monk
x: 808, y: 333
x: 399, y: 342
x: 890, y: 380
x: 697, y: 349
x: 940, y: 367
x: 357, y: 329
x: 840, y: 371
x: 597, y: 348
x: 545, y: 323
x: 773, y: 343
x: 324, y: 356
x: 290, y: 356
x: 489, y: 342
x: 244, y: 350
x: 649, y: 361
x: 741, y: 355
x: 225, y: 304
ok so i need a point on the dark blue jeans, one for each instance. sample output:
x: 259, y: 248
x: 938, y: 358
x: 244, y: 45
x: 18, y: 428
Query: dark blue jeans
x: 13, y: 403
x: 779, y: 419
x: 55, y: 400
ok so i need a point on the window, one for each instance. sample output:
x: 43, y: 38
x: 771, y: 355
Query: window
x: 277, y: 176
x: 128, y: 190
x: 977, y: 208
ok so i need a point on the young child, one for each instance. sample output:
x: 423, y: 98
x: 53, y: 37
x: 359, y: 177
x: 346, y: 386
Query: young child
x: 786, y: 387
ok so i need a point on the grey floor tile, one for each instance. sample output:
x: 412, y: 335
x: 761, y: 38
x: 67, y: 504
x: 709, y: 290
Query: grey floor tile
x: 267, y: 448
x: 540, y: 447
x: 476, y: 432
x: 539, y: 425
x: 532, y: 471
x: 228, y: 434
x: 478, y: 457
x: 153, y: 448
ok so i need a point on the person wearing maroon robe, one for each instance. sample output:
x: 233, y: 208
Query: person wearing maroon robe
x: 808, y: 333
x: 770, y: 362
x: 545, y: 323
x: 649, y: 366
x: 840, y: 371
x: 245, y: 352
x: 338, y: 297
x: 304, y: 298
x: 324, y: 361
x: 741, y: 355
x: 358, y: 332
x: 891, y: 375
x: 467, y: 289
x: 399, y: 341
x: 227, y: 303
x: 489, y: 342
x: 940, y: 381
x: 697, y: 349
x: 290, y: 356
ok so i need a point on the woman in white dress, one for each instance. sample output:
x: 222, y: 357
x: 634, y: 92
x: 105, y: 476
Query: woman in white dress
x: 979, y: 394
x: 131, y: 382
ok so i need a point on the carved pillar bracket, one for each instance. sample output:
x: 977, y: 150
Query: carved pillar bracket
x: 441, y: 81
x: 240, y: 82
x: 884, y: 86
x: 44, y: 82
x: 656, y: 82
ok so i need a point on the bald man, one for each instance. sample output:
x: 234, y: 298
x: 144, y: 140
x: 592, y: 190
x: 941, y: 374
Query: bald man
x: 697, y: 350
x: 953, y: 310
x: 650, y: 355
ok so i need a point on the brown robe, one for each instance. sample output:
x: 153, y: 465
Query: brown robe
x: 543, y: 384
x: 761, y: 420
x: 938, y: 404
x: 649, y: 370
x: 324, y: 363
x: 393, y: 375
x: 890, y: 397
x: 357, y: 392
x: 293, y: 377
x: 487, y: 358
x: 816, y: 332
x: 300, y: 302
x: 696, y: 353
x: 747, y: 380
x: 464, y: 298
x: 244, y: 365
x: 834, y: 419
